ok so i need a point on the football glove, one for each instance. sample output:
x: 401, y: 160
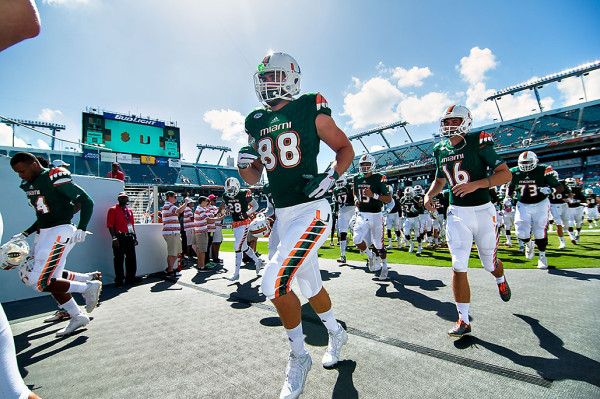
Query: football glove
x: 546, y: 190
x: 79, y: 235
x: 413, y: 209
x: 318, y: 185
x: 246, y: 156
x: 20, y: 236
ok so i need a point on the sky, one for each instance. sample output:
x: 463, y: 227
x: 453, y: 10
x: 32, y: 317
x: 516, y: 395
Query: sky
x: 376, y: 62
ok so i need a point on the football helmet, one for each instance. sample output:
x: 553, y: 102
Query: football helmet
x: 589, y: 191
x: 571, y: 182
x: 366, y: 163
x: 260, y: 227
x: 418, y: 190
x: 286, y: 78
x: 13, y: 254
x: 409, y: 192
x: 456, y: 111
x: 232, y: 186
x: 341, y: 182
x: 527, y: 161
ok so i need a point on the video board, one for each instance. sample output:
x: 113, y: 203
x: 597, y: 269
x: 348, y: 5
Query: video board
x: 131, y: 135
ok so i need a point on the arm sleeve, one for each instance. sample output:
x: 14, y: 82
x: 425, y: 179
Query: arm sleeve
x: 77, y: 194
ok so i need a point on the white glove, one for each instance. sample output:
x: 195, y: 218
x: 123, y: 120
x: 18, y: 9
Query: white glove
x: 246, y: 156
x: 507, y: 202
x: 19, y: 236
x: 318, y: 185
x: 413, y: 209
x: 546, y: 190
x: 79, y: 235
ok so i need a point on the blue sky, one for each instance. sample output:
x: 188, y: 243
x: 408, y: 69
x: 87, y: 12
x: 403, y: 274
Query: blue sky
x: 191, y: 61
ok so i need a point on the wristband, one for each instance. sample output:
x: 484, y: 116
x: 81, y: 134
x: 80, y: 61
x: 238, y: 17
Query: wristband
x: 376, y: 196
x: 26, y: 234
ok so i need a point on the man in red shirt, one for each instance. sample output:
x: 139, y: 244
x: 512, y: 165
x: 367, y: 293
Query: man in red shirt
x: 115, y: 173
x: 120, y: 224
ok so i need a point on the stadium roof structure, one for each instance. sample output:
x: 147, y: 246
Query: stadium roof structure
x: 579, y: 71
x: 379, y: 130
x: 202, y: 147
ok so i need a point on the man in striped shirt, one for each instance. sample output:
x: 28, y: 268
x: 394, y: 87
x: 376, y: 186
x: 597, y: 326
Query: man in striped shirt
x: 171, y: 230
x: 201, y: 216
x: 188, y: 228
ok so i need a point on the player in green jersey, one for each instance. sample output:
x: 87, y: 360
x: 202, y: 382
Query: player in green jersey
x: 371, y: 193
x: 53, y: 194
x: 575, y: 204
x: 462, y: 161
x: 284, y: 138
x: 533, y: 184
x: 343, y: 198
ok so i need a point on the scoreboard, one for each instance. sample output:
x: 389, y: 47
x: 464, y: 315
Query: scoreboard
x: 131, y: 135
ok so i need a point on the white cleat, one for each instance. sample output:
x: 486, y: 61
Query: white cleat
x: 384, y: 275
x: 391, y: 246
x: 376, y: 264
x: 295, y: 376
x: 234, y: 277
x: 336, y: 341
x: 76, y: 322
x: 542, y: 263
x: 370, y: 264
x: 509, y: 244
x: 259, y: 265
x: 562, y: 245
x: 529, y: 250
x: 92, y: 295
x: 412, y: 247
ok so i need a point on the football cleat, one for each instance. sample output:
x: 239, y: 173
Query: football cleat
x: 460, y: 329
x: 295, y: 376
x: 95, y: 275
x: 542, y: 263
x: 384, y: 275
x: 76, y: 322
x: 234, y: 277
x: 376, y: 264
x: 259, y: 265
x: 562, y: 245
x: 370, y: 264
x: 60, y: 315
x: 342, y: 259
x: 412, y: 247
x: 92, y: 295
x: 390, y: 246
x: 504, y: 290
x: 336, y: 341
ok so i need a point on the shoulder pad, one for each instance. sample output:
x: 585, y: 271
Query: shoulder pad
x: 59, y: 175
x: 485, y: 137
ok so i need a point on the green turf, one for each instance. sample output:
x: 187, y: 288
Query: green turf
x: 584, y: 254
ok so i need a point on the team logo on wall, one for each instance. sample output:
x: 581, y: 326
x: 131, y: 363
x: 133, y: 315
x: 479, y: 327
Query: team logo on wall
x: 125, y: 137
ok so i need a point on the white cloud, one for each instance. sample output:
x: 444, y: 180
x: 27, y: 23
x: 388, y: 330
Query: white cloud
x: 374, y: 104
x: 229, y: 122
x: 413, y: 77
x: 474, y: 67
x: 571, y: 89
x: 376, y: 147
x: 426, y: 109
x: 6, y: 137
x: 64, y: 2
x: 41, y: 144
x: 48, y: 115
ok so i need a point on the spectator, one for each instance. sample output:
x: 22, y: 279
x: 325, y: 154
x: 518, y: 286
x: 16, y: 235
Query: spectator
x: 120, y: 223
x: 60, y: 163
x: 218, y: 234
x: 171, y: 230
x: 201, y: 229
x: 212, y: 211
x: 115, y: 173
x: 188, y: 228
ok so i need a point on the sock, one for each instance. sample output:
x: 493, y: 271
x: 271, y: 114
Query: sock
x: 561, y: 239
x: 251, y: 254
x: 73, y: 276
x: 463, y: 311
x: 437, y: 241
x: 343, y: 245
x: 369, y: 253
x: 329, y: 321
x: 296, y: 338
x: 71, y: 307
x: 500, y: 280
x: 384, y: 266
x: 77, y: 286
x: 238, y: 262
x: 542, y: 254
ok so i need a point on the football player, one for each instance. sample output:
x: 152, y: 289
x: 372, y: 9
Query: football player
x: 237, y: 200
x: 592, y: 207
x: 392, y: 220
x: 560, y: 212
x: 371, y: 193
x: 462, y: 161
x: 284, y: 139
x: 412, y: 222
x: 575, y: 204
x: 344, y: 203
x: 52, y: 193
x: 424, y: 217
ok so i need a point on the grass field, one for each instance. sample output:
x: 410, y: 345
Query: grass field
x: 584, y: 254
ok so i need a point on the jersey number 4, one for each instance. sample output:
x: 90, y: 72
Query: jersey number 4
x: 40, y: 205
x: 458, y: 177
x: 286, y: 150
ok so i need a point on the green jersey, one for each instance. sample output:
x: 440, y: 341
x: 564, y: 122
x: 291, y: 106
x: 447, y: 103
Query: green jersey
x: 237, y: 206
x: 465, y: 163
x: 412, y: 206
x: 376, y: 182
x: 343, y: 196
x: 53, y: 194
x: 288, y: 145
x: 528, y: 184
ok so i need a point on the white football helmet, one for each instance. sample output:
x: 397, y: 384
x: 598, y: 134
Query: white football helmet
x: 571, y: 182
x: 13, y: 254
x: 259, y: 227
x: 341, y: 182
x: 286, y: 80
x: 232, y: 186
x: 409, y: 192
x: 589, y: 191
x: 456, y: 111
x: 418, y: 190
x: 366, y: 163
x: 527, y: 161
